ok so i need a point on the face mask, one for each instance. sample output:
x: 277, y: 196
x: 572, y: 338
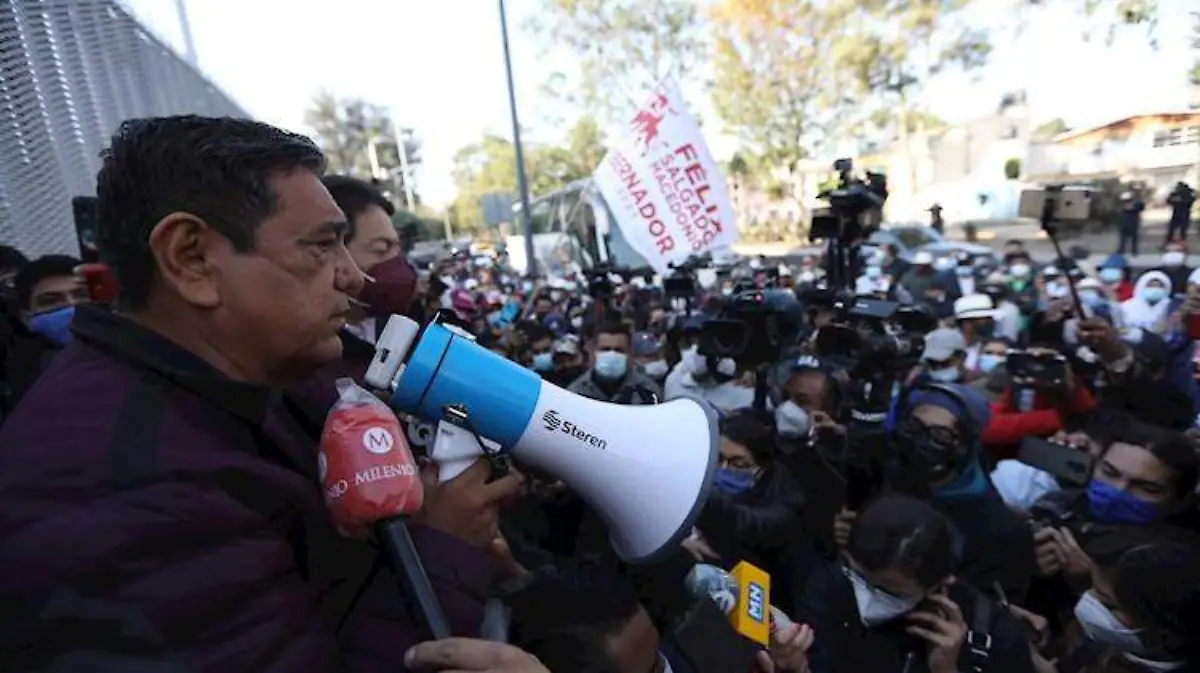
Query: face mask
x: 727, y: 367
x: 1153, y: 295
x: 733, y: 482
x: 1111, y: 275
x: 54, y: 325
x: 1103, y: 627
x: 655, y: 369
x: 1091, y: 298
x: 527, y: 287
x: 875, y: 606
x: 874, y: 272
x: 944, y: 264
x: 577, y: 322
x: 1173, y: 258
x: 556, y: 297
x: 945, y: 375
x: 392, y: 291
x: 989, y: 361
x: 1019, y: 270
x: 791, y: 420
x: 1109, y: 504
x: 696, y: 363
x: 964, y: 272
x: 543, y: 362
x: 611, y: 364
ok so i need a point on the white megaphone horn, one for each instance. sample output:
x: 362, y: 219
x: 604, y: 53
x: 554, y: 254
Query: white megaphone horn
x: 646, y: 470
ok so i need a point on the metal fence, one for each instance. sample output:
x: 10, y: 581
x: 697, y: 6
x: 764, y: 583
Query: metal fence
x: 70, y: 72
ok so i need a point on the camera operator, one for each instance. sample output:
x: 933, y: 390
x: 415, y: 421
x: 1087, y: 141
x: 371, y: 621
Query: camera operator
x: 1180, y: 199
x: 936, y: 455
x: 612, y: 377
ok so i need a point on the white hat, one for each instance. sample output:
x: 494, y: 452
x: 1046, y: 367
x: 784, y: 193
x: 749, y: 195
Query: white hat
x: 923, y: 257
x: 941, y: 343
x: 974, y: 307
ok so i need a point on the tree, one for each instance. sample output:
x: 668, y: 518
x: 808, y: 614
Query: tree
x: 891, y: 49
x: 771, y: 85
x: 1050, y: 129
x: 347, y: 128
x: 1194, y: 73
x: 621, y: 46
x: 490, y: 166
x: 1012, y: 168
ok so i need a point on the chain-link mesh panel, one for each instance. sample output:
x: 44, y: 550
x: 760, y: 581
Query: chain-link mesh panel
x: 70, y: 72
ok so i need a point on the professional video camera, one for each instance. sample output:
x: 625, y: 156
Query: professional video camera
x: 873, y: 337
x: 753, y: 327
x: 681, y: 283
x: 855, y: 206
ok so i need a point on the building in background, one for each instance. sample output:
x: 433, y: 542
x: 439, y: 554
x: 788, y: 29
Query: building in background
x: 71, y: 72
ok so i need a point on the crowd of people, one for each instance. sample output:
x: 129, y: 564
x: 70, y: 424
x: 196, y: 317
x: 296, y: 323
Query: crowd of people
x: 163, y: 509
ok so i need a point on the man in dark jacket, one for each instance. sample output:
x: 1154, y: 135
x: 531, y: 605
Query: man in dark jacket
x: 163, y: 509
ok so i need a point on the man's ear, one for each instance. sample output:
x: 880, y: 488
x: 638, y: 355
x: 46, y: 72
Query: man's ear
x: 184, y: 248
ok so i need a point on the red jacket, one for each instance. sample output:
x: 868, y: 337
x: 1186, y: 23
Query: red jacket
x: 1009, y: 425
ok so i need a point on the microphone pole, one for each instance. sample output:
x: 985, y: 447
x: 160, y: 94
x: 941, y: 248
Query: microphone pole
x: 402, y: 554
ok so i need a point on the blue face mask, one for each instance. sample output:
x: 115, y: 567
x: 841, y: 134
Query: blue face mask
x: 1091, y: 298
x: 1111, y: 275
x: 964, y: 271
x: 54, y: 325
x: 988, y: 362
x: 944, y: 375
x: 1153, y: 295
x: 543, y: 362
x: 733, y: 482
x: 1109, y: 504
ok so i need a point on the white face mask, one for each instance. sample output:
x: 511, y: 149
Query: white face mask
x: 1103, y: 626
x: 655, y: 368
x: 1019, y: 270
x: 611, y: 364
x: 791, y: 420
x: 727, y: 367
x: 874, y: 272
x: 1173, y: 258
x: 874, y: 606
x: 695, y: 362
x: 945, y: 375
x: 577, y: 322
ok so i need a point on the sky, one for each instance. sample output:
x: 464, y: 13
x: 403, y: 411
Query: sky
x: 439, y: 66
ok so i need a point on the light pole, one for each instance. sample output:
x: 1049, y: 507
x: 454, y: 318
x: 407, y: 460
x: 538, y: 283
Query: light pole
x: 522, y: 185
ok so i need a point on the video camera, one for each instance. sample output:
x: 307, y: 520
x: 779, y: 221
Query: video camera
x: 753, y: 327
x: 681, y: 283
x: 875, y: 337
x: 1039, y: 369
x: 855, y: 206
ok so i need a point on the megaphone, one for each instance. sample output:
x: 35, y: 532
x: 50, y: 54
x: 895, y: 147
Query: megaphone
x: 646, y: 470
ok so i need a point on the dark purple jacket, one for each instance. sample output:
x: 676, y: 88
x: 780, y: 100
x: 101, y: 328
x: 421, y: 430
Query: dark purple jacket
x: 159, y: 516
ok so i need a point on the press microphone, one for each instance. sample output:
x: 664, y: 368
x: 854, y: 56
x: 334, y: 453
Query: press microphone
x: 744, y: 597
x: 371, y: 482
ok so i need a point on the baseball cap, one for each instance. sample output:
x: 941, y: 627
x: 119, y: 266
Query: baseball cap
x: 645, y: 344
x: 942, y: 343
x: 566, y: 346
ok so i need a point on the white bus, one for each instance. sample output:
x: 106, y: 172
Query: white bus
x: 573, y: 230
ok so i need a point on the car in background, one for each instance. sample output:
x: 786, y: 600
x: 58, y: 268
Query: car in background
x: 914, y: 238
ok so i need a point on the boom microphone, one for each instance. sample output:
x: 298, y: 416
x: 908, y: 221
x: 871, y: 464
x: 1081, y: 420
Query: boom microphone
x: 743, y: 602
x: 646, y: 470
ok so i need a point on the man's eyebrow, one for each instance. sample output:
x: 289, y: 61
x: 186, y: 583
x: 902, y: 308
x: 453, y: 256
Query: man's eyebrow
x: 335, y: 227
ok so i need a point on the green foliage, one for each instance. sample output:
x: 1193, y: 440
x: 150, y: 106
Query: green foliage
x: 414, y: 227
x: 1050, y: 129
x: 344, y: 128
x: 490, y: 165
x: 1012, y: 168
x: 620, y: 47
x: 777, y: 191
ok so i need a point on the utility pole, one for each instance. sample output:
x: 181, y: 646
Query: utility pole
x: 522, y: 185
x: 189, y: 44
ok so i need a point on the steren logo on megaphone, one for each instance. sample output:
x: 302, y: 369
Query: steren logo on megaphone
x: 554, y: 423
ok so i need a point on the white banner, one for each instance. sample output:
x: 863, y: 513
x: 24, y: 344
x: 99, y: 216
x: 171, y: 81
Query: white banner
x: 666, y: 192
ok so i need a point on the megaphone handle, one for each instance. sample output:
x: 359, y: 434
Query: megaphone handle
x: 452, y: 468
x: 779, y: 620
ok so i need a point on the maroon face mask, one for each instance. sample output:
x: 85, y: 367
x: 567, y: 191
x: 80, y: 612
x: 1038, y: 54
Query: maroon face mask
x: 392, y: 291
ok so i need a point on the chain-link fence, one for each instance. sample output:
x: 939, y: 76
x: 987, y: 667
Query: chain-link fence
x: 70, y: 72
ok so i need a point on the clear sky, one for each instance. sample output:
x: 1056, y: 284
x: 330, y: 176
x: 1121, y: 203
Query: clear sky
x: 438, y: 64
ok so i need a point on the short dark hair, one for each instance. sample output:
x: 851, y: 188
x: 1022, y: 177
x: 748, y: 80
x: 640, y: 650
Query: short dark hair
x: 12, y: 259
x: 216, y: 168
x: 614, y: 327
x: 745, y: 427
x: 897, y: 531
x: 46, y: 266
x: 1171, y: 448
x: 354, y: 196
x: 1158, y: 584
x: 565, y: 617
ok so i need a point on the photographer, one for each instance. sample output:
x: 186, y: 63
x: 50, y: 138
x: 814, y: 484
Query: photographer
x: 1053, y: 404
x: 718, y: 381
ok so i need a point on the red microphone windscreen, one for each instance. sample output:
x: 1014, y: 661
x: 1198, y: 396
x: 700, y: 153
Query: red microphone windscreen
x: 367, y: 471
